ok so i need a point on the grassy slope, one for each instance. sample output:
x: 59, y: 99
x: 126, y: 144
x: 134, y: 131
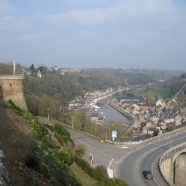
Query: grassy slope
x: 16, y: 139
x: 84, y: 178
x: 157, y: 91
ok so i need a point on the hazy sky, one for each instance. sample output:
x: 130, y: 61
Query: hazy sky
x: 125, y: 34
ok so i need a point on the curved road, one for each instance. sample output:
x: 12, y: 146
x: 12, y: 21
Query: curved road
x: 146, y: 156
x: 128, y: 163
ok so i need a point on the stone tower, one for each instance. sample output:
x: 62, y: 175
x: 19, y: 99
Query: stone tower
x: 11, y: 88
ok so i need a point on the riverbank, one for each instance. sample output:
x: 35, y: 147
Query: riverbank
x: 111, y: 113
x: 122, y: 111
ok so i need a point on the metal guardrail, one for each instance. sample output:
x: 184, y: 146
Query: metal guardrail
x: 147, y: 140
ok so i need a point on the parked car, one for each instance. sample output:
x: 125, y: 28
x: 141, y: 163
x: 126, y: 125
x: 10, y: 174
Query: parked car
x: 147, y: 174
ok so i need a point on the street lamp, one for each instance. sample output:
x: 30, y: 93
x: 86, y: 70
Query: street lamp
x: 105, y: 126
x: 48, y: 114
x: 72, y: 122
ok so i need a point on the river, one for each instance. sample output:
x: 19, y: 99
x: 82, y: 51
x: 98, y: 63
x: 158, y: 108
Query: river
x: 112, y: 115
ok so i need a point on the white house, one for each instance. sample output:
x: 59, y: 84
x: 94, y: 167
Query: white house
x: 160, y: 103
x: 39, y: 74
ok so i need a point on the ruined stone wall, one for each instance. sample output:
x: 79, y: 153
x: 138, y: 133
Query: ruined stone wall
x: 11, y: 88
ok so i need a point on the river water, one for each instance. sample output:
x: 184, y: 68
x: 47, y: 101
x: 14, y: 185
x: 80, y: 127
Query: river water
x: 111, y: 114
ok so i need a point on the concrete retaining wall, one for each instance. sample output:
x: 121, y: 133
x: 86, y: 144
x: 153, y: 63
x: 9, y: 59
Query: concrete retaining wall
x: 170, y: 168
x: 180, y: 170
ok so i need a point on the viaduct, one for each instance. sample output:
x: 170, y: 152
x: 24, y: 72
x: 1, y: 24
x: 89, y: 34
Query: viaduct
x: 172, y: 165
x: 11, y: 88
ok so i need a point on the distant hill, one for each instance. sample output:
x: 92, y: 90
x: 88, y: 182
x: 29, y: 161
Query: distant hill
x: 54, y: 90
x: 131, y: 77
x: 155, y: 74
x: 175, y: 84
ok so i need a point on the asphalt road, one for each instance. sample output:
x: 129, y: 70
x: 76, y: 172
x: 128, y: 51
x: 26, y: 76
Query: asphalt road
x: 103, y: 153
x: 128, y: 163
x: 130, y: 168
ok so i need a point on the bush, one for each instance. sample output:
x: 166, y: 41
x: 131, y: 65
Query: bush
x: 42, y: 160
x: 31, y: 161
x: 80, y: 150
x: 102, y: 170
x: 58, y: 173
x: 62, y: 131
x: 65, y: 157
x: 39, y: 131
x: 102, y: 180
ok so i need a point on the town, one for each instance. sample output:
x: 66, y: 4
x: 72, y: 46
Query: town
x: 145, y: 120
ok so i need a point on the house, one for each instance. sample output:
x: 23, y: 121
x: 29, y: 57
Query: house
x: 39, y: 75
x: 136, y: 107
x: 142, y: 118
x: 160, y: 103
x: 135, y: 112
x: 143, y: 124
x: 168, y: 119
x: 151, y: 130
x: 136, y: 124
x: 148, y: 130
x: 149, y: 124
x: 178, y: 120
x: 56, y: 68
x: 154, y: 118
x: 163, y: 126
x: 145, y: 109
x: 132, y: 99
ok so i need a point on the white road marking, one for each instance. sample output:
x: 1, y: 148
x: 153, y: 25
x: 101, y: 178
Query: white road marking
x: 94, y: 148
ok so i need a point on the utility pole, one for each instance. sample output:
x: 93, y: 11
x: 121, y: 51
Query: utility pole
x: 14, y: 67
x: 72, y: 122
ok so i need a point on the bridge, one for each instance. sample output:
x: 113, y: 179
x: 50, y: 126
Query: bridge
x: 173, y: 165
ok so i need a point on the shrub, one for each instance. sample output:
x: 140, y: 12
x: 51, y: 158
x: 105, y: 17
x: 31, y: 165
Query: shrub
x: 102, y: 170
x: 32, y: 161
x: 65, y: 157
x: 79, y: 151
x: 102, y: 180
x: 39, y: 131
x: 48, y: 164
x: 62, y: 131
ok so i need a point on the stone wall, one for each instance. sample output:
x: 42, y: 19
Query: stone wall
x: 11, y: 88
